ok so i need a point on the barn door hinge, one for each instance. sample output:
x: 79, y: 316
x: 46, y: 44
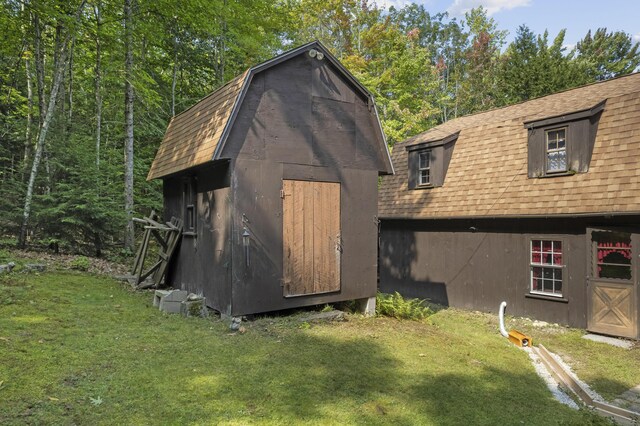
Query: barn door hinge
x: 339, y: 243
x: 282, y: 193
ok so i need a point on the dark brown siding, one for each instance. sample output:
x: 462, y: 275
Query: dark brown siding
x: 476, y: 264
x: 258, y: 286
x: 301, y: 120
x: 303, y: 112
x: 203, y: 262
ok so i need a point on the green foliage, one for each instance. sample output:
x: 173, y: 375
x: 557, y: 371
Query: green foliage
x: 396, y: 306
x: 80, y: 263
x: 423, y: 69
x: 606, y: 55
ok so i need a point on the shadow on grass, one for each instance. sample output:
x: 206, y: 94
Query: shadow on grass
x: 108, y: 357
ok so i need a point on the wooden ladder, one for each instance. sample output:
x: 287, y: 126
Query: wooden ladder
x: 167, y: 237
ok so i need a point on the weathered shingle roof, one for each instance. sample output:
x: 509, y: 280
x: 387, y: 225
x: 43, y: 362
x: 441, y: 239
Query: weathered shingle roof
x: 192, y: 136
x: 197, y: 135
x: 487, y: 175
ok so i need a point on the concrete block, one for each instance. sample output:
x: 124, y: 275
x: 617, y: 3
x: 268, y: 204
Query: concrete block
x: 158, y: 295
x: 194, y: 307
x: 176, y: 296
x: 171, y: 302
x: 170, y: 307
x: 367, y: 306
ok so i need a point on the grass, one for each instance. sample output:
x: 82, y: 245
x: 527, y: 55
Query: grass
x: 607, y: 369
x: 79, y: 349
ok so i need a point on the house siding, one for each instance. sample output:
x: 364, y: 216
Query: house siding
x: 478, y: 263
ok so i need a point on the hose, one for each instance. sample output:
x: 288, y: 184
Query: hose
x: 503, y: 331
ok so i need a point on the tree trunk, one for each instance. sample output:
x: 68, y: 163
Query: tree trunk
x: 128, y: 113
x: 98, y: 84
x: 42, y: 104
x: 27, y: 136
x: 174, y: 76
x: 58, y: 75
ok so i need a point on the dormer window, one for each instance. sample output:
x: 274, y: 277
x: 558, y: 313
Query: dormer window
x: 424, y: 168
x: 562, y: 145
x: 429, y: 161
x: 557, y: 150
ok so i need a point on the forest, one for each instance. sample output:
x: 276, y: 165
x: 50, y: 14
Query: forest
x: 87, y: 88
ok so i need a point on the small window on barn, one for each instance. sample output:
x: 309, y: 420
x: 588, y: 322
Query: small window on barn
x: 424, y: 168
x: 547, y: 264
x: 428, y: 162
x: 190, y: 197
x: 562, y: 145
x: 556, y: 150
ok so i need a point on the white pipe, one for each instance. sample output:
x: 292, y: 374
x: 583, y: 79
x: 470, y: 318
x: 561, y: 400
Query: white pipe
x: 503, y: 331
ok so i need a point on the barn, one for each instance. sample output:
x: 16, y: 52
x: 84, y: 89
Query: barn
x: 275, y: 176
x: 536, y: 204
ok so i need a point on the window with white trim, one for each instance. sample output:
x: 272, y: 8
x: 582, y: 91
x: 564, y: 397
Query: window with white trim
x: 424, y: 168
x: 547, y: 266
x: 557, y: 150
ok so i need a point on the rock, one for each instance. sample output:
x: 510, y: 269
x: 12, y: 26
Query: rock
x: 235, y: 323
x: 35, y: 267
x: 7, y: 268
x: 324, y: 316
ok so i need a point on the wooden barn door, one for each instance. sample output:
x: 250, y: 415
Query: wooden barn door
x: 612, y: 301
x: 311, y: 237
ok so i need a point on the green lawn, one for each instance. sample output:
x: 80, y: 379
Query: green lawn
x: 82, y: 349
x: 609, y: 370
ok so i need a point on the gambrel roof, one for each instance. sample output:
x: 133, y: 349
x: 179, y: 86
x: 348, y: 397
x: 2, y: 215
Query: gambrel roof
x: 198, y: 134
x: 487, y: 174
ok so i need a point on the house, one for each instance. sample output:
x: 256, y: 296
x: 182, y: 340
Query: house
x: 536, y: 204
x: 275, y: 176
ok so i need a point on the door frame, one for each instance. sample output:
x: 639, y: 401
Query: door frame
x: 591, y: 280
x: 338, y: 242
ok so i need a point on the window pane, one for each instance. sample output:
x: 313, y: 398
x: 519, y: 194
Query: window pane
x: 552, y: 145
x: 424, y: 160
x: 557, y: 161
x: 547, y: 280
x: 424, y: 177
x: 613, y: 255
x: 536, y: 284
x: 614, y: 271
x: 557, y: 259
x: 558, y: 287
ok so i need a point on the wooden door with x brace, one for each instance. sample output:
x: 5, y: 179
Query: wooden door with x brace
x: 612, y: 282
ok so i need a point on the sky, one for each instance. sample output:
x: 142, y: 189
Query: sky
x: 577, y: 16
